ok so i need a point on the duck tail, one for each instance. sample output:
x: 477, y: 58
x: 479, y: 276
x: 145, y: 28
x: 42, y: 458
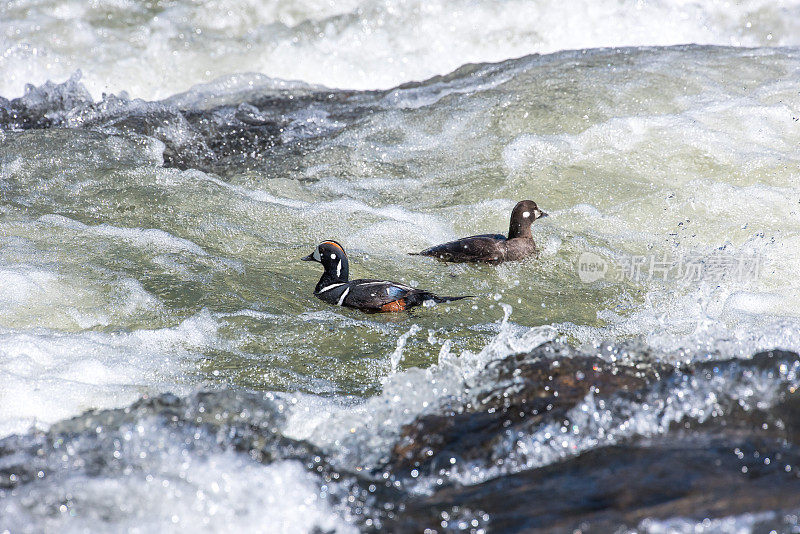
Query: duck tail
x: 439, y: 300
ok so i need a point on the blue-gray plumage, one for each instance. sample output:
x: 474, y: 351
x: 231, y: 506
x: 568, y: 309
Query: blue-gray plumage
x: 364, y: 294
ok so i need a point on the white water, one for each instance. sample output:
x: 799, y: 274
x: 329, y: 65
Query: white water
x: 49, y: 375
x: 166, y: 487
x: 743, y: 524
x: 154, y: 52
x: 683, y: 172
x: 110, y: 264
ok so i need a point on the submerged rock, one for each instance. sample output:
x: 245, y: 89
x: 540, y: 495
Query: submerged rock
x: 740, y: 459
x: 611, y: 488
x: 729, y: 452
x: 229, y: 137
x: 526, y: 389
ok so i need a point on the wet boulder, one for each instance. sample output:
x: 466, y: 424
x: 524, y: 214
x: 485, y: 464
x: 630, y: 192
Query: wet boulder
x: 239, y: 133
x: 526, y: 389
x: 709, y: 444
x: 616, y: 488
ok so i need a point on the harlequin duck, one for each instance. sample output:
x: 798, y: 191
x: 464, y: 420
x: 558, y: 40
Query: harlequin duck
x: 365, y: 295
x: 494, y: 248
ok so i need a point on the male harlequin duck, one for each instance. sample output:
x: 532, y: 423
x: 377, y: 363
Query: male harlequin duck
x: 494, y: 248
x: 365, y: 295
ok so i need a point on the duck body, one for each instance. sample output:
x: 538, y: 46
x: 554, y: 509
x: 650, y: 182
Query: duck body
x: 368, y: 295
x: 375, y: 295
x: 494, y: 248
x: 486, y: 248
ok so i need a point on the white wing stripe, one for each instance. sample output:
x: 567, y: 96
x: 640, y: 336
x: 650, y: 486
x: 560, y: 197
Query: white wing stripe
x: 326, y: 288
x: 393, y: 284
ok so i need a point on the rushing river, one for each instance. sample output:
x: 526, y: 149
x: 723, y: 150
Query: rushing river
x: 156, y: 198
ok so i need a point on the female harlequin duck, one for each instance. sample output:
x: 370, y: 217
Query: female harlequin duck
x: 365, y: 295
x: 494, y: 248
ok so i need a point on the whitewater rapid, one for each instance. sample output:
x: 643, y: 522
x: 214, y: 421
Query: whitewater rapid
x: 154, y: 50
x: 150, y: 243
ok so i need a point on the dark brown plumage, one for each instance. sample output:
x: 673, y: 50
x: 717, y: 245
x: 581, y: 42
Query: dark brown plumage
x: 494, y: 248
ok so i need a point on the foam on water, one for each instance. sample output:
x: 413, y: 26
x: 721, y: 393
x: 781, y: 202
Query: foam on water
x: 740, y: 524
x: 360, y: 434
x: 48, y: 375
x: 633, y: 114
x: 54, y: 289
x: 187, y: 494
x: 109, y: 260
x: 399, y: 217
x: 161, y: 479
x: 701, y: 324
x: 29, y: 292
x: 155, y: 50
x: 139, y: 237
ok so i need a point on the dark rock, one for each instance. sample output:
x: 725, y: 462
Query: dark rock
x: 610, y: 488
x: 526, y: 388
x: 745, y: 459
x: 108, y: 443
x: 740, y: 453
x: 225, y: 139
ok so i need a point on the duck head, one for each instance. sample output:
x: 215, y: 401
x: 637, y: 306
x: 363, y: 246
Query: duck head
x: 333, y: 258
x: 522, y: 216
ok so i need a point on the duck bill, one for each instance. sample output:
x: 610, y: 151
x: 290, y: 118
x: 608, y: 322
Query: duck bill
x: 310, y: 257
x: 542, y: 215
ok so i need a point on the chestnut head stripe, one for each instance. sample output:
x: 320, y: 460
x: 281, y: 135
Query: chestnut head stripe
x: 335, y: 244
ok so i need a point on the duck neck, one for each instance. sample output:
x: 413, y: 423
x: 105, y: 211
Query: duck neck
x: 338, y: 273
x: 519, y: 229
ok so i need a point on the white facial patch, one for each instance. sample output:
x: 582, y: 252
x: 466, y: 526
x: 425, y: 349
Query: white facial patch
x: 316, y: 255
x: 333, y: 256
x: 526, y: 214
